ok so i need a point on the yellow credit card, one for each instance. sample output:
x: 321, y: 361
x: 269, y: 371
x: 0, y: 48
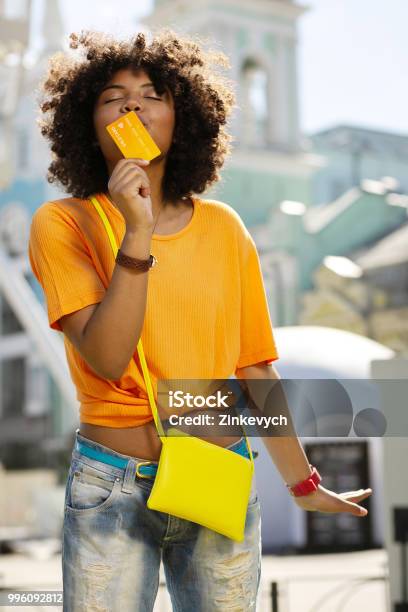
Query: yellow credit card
x: 132, y: 138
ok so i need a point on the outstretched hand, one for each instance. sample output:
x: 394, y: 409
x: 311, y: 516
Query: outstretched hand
x: 323, y: 500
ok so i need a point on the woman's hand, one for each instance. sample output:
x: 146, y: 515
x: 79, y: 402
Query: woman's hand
x: 323, y: 500
x: 129, y: 188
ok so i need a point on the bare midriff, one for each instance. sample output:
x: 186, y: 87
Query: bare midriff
x: 142, y: 442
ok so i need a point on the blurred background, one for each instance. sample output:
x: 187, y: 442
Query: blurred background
x: 319, y: 175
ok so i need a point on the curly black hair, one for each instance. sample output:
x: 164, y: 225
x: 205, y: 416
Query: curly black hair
x: 203, y: 100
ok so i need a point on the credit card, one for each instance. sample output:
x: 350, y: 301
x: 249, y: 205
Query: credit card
x: 132, y: 138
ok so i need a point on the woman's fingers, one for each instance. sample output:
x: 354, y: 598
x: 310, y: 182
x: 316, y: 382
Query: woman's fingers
x: 356, y: 495
x: 125, y: 163
x: 131, y: 168
x: 329, y: 501
x: 130, y: 182
x: 339, y: 504
x: 348, y: 499
x: 353, y: 508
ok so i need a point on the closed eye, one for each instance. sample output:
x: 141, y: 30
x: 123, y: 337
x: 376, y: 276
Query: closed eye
x: 115, y: 99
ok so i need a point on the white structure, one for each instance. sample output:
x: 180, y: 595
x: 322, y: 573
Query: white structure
x: 394, y: 468
x: 259, y: 39
x: 32, y: 154
x: 317, y: 353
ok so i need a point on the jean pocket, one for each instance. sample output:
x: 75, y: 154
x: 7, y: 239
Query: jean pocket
x: 91, y: 490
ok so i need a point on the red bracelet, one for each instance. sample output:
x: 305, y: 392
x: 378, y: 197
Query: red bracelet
x: 306, y: 486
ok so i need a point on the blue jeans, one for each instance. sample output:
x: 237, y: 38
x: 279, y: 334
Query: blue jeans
x: 112, y: 546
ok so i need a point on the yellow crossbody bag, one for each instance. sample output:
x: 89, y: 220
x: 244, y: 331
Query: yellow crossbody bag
x: 196, y: 480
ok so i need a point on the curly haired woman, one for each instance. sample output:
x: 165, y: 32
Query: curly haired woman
x: 201, y: 313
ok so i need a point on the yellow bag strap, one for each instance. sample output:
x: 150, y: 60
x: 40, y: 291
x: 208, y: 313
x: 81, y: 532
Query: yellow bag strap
x: 140, y: 351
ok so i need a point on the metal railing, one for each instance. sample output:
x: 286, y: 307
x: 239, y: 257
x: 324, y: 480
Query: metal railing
x: 33, y: 318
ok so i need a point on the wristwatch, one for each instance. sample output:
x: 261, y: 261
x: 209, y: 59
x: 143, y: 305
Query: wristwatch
x: 306, y: 486
x: 135, y: 264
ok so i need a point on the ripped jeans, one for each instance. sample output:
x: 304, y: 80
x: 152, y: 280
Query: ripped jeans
x: 112, y: 546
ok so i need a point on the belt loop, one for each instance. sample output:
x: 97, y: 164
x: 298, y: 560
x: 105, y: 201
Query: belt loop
x: 129, y: 478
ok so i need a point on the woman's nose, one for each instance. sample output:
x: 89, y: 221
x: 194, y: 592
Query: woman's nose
x: 130, y: 105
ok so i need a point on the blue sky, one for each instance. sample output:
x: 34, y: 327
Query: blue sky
x: 353, y: 64
x: 353, y: 57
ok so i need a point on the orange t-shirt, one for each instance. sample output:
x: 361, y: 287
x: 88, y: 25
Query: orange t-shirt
x: 206, y: 312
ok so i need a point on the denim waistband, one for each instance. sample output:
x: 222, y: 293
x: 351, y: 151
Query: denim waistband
x: 144, y: 467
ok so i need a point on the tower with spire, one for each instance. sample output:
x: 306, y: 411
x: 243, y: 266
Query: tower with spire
x: 268, y: 164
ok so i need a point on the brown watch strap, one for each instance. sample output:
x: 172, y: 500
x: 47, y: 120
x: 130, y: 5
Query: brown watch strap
x: 136, y: 264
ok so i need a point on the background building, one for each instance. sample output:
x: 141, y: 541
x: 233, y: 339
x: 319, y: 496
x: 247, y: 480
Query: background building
x: 354, y: 153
